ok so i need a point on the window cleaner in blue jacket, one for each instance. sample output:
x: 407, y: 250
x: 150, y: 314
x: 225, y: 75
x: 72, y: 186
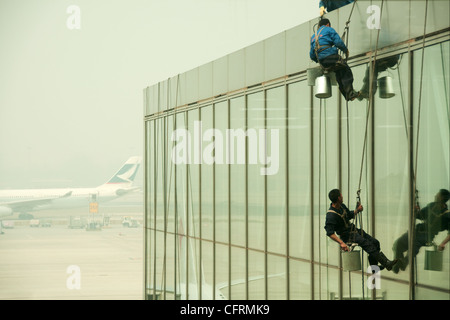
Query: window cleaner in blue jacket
x: 327, y: 55
x: 330, y: 5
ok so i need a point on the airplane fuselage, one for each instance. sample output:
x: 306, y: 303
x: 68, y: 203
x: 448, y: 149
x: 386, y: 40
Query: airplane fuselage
x: 27, y: 200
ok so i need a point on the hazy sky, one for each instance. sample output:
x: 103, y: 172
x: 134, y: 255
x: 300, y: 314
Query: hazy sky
x: 71, y: 101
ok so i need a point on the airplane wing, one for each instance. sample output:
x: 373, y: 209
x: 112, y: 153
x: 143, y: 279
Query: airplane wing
x: 30, y: 204
x: 124, y: 191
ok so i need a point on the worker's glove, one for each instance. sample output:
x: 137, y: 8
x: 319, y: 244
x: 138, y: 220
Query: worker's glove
x: 322, y: 10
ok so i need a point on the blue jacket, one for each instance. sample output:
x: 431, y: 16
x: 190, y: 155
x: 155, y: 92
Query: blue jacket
x: 333, y: 4
x: 327, y: 37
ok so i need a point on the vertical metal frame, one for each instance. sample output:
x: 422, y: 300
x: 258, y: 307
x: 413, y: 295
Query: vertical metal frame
x: 213, y: 106
x: 200, y: 207
x: 246, y: 199
x: 175, y: 234
x: 229, y: 208
x: 286, y: 105
x: 411, y: 225
x: 311, y: 155
x: 266, y: 267
x: 187, y: 216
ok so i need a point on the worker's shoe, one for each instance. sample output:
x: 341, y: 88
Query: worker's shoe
x: 363, y: 95
x: 353, y: 95
x: 385, y: 262
x: 374, y: 262
x: 401, y: 265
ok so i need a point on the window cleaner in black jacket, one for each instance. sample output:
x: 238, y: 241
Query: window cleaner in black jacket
x: 338, y: 221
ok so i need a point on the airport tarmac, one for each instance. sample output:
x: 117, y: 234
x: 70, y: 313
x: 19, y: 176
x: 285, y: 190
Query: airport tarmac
x: 59, y: 263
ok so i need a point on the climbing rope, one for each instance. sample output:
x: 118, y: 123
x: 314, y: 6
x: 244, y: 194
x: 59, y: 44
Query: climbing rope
x: 412, y: 260
x: 347, y: 28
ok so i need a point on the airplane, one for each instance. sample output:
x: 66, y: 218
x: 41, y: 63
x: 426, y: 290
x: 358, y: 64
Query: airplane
x: 25, y: 200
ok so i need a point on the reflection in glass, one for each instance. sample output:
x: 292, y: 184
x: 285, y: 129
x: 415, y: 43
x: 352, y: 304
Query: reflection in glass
x: 391, y: 166
x: 431, y: 159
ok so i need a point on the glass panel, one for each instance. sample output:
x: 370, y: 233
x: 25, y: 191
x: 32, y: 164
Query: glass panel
x: 237, y: 159
x: 222, y: 270
x: 326, y: 172
x: 275, y: 169
x: 193, y: 175
x: 207, y: 272
x: 149, y: 203
x: 299, y: 135
x: 256, y: 275
x: 207, y: 172
x: 150, y: 165
x: 157, y: 278
x: 180, y: 194
x: 238, y: 274
x: 299, y: 115
x: 299, y: 280
x: 189, y: 253
x: 170, y: 176
x: 432, y: 126
x: 256, y: 181
x: 276, y: 277
x: 221, y: 172
x: 159, y: 191
x: 391, y: 166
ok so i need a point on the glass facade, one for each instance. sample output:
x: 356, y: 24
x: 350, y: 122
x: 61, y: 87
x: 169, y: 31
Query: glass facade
x: 237, y: 185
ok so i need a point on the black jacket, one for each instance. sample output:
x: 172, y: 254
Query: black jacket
x: 338, y: 221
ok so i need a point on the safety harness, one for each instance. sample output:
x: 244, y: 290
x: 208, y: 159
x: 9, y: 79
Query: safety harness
x: 343, y: 216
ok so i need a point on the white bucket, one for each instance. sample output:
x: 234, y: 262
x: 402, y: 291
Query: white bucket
x: 323, y: 87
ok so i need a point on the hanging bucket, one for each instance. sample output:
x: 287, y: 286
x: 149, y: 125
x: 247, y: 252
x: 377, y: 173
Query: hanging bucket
x: 385, y: 87
x: 351, y: 260
x: 323, y: 87
x: 433, y: 260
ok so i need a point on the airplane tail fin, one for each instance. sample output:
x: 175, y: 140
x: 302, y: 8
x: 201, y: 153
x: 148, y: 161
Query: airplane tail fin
x: 127, y: 173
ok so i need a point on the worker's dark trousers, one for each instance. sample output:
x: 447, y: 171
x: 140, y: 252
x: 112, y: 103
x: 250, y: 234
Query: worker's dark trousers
x: 401, y: 245
x: 344, y: 75
x: 368, y: 243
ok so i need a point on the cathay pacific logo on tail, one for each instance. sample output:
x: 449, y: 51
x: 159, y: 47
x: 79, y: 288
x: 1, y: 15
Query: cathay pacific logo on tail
x: 127, y: 173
